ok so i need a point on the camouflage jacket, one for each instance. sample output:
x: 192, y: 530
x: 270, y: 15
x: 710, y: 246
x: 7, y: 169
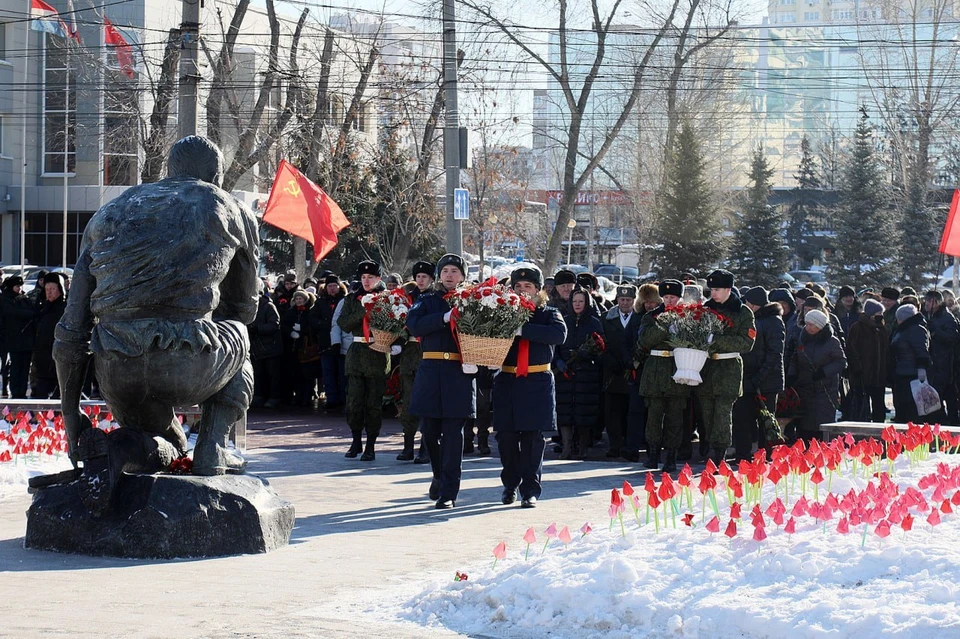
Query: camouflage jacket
x: 724, y: 377
x: 656, y: 380
x: 361, y: 360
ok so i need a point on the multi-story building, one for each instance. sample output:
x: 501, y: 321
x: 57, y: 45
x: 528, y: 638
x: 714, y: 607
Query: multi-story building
x: 74, y: 121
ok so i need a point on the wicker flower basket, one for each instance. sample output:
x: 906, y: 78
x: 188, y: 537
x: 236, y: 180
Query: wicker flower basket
x: 382, y: 340
x: 484, y: 351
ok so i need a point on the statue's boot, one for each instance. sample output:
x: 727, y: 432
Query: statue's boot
x: 106, y: 456
x: 211, y: 456
x: 175, y: 435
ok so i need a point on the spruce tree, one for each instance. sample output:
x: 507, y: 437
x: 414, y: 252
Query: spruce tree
x: 804, y: 207
x: 864, y: 247
x: 758, y: 255
x: 688, y: 227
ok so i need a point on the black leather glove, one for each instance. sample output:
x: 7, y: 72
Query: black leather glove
x: 818, y: 375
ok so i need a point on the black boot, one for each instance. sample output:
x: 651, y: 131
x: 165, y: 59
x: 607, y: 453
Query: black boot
x: 483, y: 446
x: 653, y: 458
x: 369, y: 454
x: 407, y: 453
x: 423, y: 457
x: 670, y: 463
x: 356, y: 447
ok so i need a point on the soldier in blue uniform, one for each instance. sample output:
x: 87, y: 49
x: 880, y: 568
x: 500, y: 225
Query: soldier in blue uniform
x: 523, y: 400
x: 443, y: 394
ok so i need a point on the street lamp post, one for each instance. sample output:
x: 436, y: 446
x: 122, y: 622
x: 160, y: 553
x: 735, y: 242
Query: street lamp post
x: 571, y: 224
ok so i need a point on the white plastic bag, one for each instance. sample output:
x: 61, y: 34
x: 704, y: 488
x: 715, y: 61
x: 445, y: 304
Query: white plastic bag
x: 926, y: 397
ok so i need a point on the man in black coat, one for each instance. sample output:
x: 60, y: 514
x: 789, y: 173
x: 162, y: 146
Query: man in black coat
x: 944, y: 337
x: 619, y: 324
x: 762, y: 372
x: 563, y: 282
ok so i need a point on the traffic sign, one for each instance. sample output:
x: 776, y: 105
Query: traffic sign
x: 461, y: 204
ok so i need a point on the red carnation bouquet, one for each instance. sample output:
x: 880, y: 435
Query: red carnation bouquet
x: 592, y: 348
x: 692, y: 325
x: 385, y: 318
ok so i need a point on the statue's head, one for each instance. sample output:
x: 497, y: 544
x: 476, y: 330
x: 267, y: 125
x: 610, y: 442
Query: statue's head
x: 196, y: 157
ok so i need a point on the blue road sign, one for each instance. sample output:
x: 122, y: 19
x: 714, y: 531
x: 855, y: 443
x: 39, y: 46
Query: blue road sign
x: 461, y: 204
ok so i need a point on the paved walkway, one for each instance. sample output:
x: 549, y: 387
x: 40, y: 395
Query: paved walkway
x: 360, y: 527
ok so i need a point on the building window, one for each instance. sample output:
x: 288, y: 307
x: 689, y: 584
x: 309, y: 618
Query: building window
x: 3, y: 40
x: 842, y: 14
x: 59, y: 106
x: 788, y: 17
x: 44, y: 236
x: 809, y: 16
x: 3, y: 141
x: 788, y: 2
x: 120, y: 118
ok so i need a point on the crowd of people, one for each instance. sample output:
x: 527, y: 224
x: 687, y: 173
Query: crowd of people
x: 27, y: 323
x: 788, y: 362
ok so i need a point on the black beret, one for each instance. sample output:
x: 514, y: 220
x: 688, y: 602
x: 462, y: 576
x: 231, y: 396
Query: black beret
x: 452, y: 259
x: 720, y: 279
x: 424, y: 267
x: 527, y: 274
x: 588, y: 280
x: 368, y: 267
x: 846, y: 291
x: 757, y: 296
x: 671, y: 287
x: 564, y: 277
x: 627, y: 290
x: 890, y: 293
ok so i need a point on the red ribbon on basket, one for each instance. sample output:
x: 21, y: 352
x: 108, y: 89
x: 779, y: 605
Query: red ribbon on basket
x: 366, y: 326
x: 454, y: 315
x: 523, y: 357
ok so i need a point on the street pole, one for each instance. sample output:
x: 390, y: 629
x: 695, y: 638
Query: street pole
x: 451, y: 126
x: 23, y: 152
x: 189, y: 67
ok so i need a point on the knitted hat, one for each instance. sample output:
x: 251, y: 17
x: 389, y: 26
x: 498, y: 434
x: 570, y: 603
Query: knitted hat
x: 872, y: 307
x: 905, y: 312
x: 564, y: 276
x: 813, y: 302
x: 423, y: 267
x: 720, y: 279
x: 368, y: 267
x: 528, y: 274
x: 452, y: 259
x: 782, y: 295
x: 890, y: 293
x: 333, y: 278
x: 757, y: 296
x: 817, y: 318
x: 845, y: 291
x: 803, y: 293
x: 670, y: 287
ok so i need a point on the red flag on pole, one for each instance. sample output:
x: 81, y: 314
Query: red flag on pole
x: 301, y: 208
x: 950, y: 242
x: 123, y: 49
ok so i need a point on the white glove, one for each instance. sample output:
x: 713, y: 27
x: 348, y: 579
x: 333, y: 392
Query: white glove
x: 395, y: 350
x: 294, y: 335
x: 469, y: 369
x: 446, y: 316
x: 296, y: 327
x: 922, y: 374
x: 519, y: 331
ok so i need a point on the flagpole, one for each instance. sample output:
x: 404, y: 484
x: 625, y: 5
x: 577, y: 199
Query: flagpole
x: 66, y: 148
x: 23, y: 149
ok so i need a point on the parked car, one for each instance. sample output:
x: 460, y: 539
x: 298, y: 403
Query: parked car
x: 618, y: 274
x: 575, y: 268
x: 30, y: 279
x: 817, y: 277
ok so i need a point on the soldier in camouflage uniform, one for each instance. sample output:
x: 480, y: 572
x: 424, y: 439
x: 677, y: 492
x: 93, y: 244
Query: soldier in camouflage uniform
x: 723, y: 373
x: 366, y: 368
x: 410, y: 360
x: 665, y: 399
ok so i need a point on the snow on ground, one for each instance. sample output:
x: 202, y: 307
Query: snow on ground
x: 687, y: 582
x: 15, y: 475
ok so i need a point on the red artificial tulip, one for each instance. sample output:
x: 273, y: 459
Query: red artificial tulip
x: 843, y: 526
x: 648, y: 484
x: 688, y: 519
x: 713, y: 525
x: 759, y: 534
x: 791, y: 526
x: 799, y: 508
x: 955, y: 500
x: 709, y: 468
x: 907, y: 523
x: 945, y: 507
x: 934, y: 518
x: 627, y: 488
x: 883, y: 529
x: 731, y: 530
x: 735, y: 510
x: 615, y: 498
x: 817, y: 476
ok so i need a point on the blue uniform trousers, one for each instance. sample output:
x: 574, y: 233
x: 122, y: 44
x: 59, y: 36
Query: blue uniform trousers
x: 444, y: 440
x: 521, y: 454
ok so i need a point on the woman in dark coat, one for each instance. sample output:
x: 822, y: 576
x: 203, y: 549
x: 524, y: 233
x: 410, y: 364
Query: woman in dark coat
x: 815, y: 373
x: 51, y: 310
x: 868, y: 358
x: 266, y: 352
x: 443, y: 392
x: 19, y: 329
x: 762, y: 373
x: 331, y: 361
x: 300, y: 342
x: 523, y: 401
x: 578, y: 382
x: 910, y: 350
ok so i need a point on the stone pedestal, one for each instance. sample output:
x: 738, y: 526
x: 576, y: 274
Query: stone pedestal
x: 163, y: 517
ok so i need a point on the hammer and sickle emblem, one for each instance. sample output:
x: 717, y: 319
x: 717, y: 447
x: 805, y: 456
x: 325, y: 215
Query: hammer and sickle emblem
x: 292, y: 188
